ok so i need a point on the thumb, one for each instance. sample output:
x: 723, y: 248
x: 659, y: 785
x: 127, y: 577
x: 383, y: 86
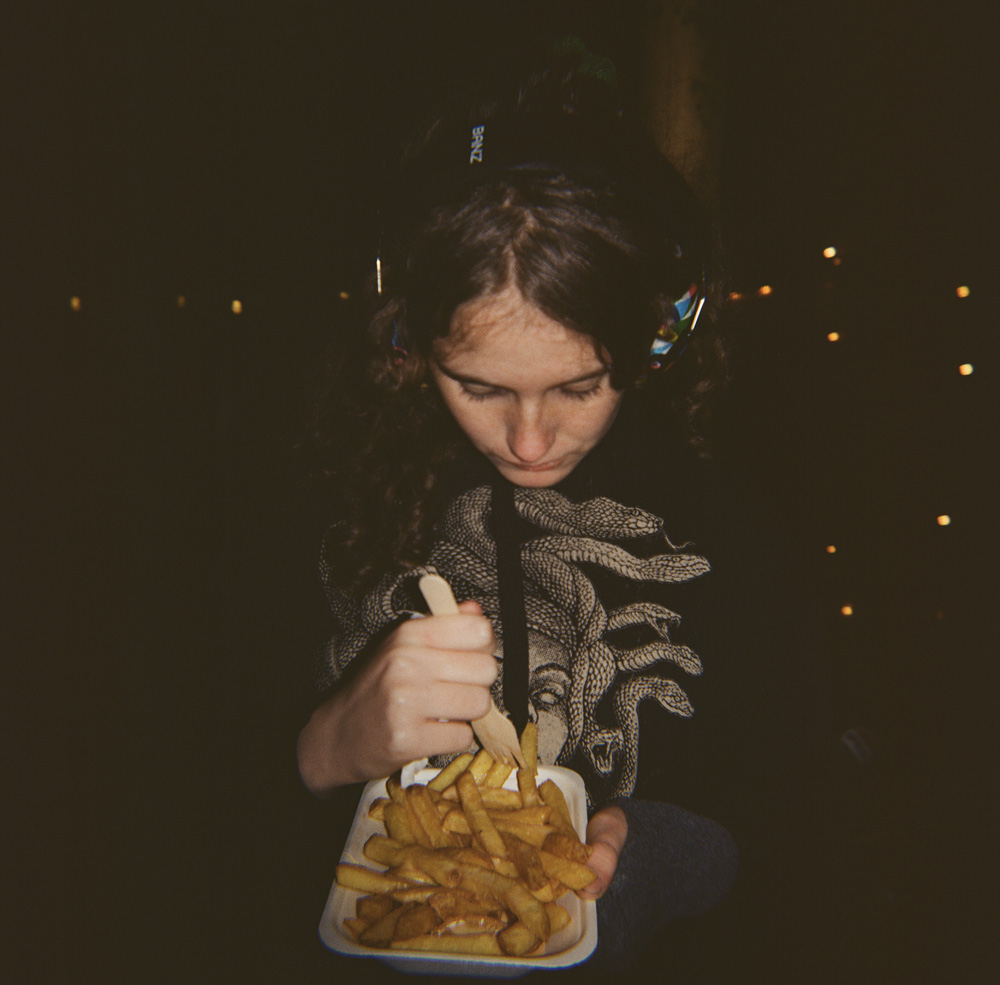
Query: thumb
x: 470, y: 608
x: 603, y: 863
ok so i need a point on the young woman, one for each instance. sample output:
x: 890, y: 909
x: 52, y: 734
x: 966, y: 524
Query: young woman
x: 522, y: 418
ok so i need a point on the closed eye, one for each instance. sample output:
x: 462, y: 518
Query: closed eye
x: 583, y: 394
x: 474, y: 392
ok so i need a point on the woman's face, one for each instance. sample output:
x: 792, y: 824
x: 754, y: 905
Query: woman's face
x: 532, y: 395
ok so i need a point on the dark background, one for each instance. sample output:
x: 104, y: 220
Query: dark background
x: 163, y: 601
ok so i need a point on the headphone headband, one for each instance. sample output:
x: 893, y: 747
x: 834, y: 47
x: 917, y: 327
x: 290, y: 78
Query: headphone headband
x: 616, y: 160
x: 606, y: 155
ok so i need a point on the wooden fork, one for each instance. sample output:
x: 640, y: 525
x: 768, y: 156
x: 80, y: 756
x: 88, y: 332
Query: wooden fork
x: 496, y: 733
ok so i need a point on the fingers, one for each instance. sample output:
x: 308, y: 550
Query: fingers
x: 603, y: 862
x: 439, y: 738
x: 466, y: 631
x: 454, y: 702
x: 465, y: 668
x: 607, y: 831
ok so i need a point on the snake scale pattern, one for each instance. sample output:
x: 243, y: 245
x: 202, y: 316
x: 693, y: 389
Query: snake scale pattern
x: 561, y: 603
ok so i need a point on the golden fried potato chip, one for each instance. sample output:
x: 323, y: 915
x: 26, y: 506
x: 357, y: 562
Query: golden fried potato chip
x: 398, y: 823
x: 449, y: 774
x: 498, y: 799
x: 569, y: 873
x: 482, y: 827
x: 419, y: 801
x: 419, y: 920
x: 372, y: 908
x: 497, y: 775
x: 481, y: 944
x: 368, y: 880
x: 356, y: 926
x: 379, y: 934
x: 559, y: 917
x: 529, y: 748
x: 394, y: 787
x: 376, y: 809
x: 553, y: 796
x: 568, y: 845
x: 386, y: 851
x: 479, y: 766
x: 517, y: 940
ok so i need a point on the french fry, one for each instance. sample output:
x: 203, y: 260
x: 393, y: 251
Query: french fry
x: 394, y: 787
x: 415, y: 922
x: 559, y: 917
x: 530, y: 911
x: 472, y: 856
x: 385, y: 851
x: 506, y: 867
x: 411, y: 872
x: 527, y: 788
x: 449, y: 774
x: 415, y: 894
x: 497, y: 775
x: 482, y: 827
x: 529, y: 748
x: 534, y: 834
x: 398, y: 823
x: 481, y: 944
x: 515, y: 897
x: 443, y: 870
x: 376, y: 809
x: 526, y: 861
x: 368, y: 880
x: 486, y: 885
x: 449, y: 903
x: 523, y: 815
x: 517, y: 940
x: 568, y: 845
x: 501, y: 800
x: 372, y: 908
x: 479, y: 766
x: 418, y: 799
x: 452, y: 904
x: 569, y: 873
x: 356, y: 926
x: 420, y: 835
x: 553, y: 796
x: 379, y: 934
x: 550, y: 892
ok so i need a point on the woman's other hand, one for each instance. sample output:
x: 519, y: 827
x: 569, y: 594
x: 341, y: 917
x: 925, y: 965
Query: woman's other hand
x: 607, y: 831
x: 414, y: 698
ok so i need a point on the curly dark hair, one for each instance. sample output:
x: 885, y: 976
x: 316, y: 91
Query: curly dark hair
x: 595, y: 230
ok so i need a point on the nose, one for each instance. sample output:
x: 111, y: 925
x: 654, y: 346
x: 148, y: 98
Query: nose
x: 530, y: 434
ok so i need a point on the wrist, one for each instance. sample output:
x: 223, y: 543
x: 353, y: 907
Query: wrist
x: 322, y: 765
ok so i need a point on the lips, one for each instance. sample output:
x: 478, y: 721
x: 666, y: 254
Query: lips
x: 544, y: 467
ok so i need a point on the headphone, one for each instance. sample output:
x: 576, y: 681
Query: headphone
x: 460, y: 156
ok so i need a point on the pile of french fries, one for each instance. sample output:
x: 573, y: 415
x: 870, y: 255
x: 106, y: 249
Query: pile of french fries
x: 470, y: 867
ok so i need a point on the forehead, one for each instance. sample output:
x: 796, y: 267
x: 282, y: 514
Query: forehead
x: 506, y: 332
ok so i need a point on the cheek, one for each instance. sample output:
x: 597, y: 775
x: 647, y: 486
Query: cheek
x: 594, y: 422
x: 478, y: 422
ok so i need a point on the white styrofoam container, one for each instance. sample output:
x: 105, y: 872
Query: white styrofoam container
x: 573, y: 944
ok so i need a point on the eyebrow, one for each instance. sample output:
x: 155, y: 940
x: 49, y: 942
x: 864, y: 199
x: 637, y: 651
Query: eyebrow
x: 475, y: 381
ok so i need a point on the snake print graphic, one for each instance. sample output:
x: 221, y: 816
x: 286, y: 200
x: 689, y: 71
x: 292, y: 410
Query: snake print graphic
x: 566, y: 619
